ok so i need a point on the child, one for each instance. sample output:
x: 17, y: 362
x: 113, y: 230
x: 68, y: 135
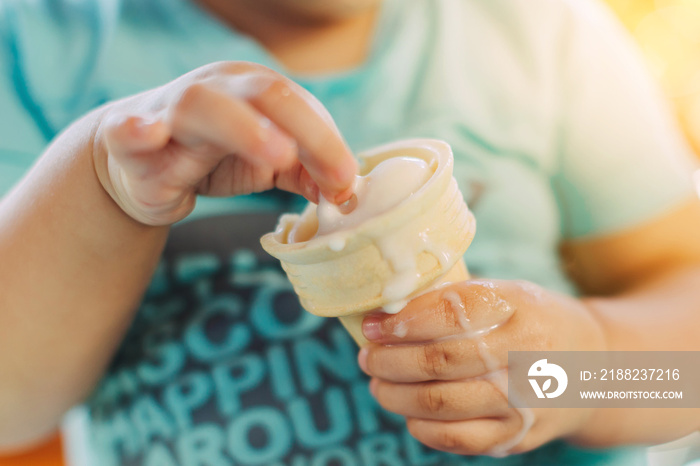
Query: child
x: 560, y: 139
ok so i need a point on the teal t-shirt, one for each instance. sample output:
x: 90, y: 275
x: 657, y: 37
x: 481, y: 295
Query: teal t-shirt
x: 557, y: 133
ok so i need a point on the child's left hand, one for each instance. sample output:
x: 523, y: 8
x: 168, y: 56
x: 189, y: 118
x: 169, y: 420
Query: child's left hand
x: 428, y: 368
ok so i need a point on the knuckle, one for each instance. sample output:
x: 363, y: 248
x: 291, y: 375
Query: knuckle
x: 452, y: 312
x: 190, y: 97
x: 115, y: 127
x: 433, y: 361
x: 533, y: 335
x: 431, y: 399
x: 115, y: 119
x: 276, y: 89
x: 227, y: 67
x: 247, y: 80
x: 240, y: 67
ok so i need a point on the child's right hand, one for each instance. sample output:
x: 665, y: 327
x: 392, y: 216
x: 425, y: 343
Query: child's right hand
x: 221, y: 130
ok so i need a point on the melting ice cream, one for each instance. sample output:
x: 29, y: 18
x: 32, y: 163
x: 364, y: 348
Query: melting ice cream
x: 389, y: 183
x: 403, y: 232
x: 383, y: 188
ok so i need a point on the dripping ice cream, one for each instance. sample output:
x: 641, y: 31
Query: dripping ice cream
x: 405, y: 230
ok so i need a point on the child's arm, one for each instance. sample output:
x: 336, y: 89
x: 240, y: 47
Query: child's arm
x: 648, y: 281
x: 81, y: 234
x: 433, y: 373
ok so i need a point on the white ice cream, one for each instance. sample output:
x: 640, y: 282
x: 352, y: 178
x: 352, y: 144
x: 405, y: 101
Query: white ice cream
x: 386, y: 186
x: 497, y: 376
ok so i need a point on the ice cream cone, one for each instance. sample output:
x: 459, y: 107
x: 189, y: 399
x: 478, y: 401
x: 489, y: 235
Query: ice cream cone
x: 387, y: 260
x: 353, y: 323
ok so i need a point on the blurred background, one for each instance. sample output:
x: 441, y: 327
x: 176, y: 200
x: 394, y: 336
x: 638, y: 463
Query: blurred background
x: 668, y: 33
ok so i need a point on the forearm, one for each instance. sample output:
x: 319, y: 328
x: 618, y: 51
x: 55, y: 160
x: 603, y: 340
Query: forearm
x: 661, y: 315
x: 73, y: 270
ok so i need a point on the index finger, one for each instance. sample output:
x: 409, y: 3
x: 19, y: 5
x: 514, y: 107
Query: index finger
x: 466, y: 310
x: 323, y: 151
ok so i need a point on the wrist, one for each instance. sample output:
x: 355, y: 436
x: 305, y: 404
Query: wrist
x: 597, y: 429
x: 614, y: 335
x: 590, y: 332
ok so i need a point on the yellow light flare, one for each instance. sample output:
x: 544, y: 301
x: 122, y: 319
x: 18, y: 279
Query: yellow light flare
x: 668, y: 32
x: 686, y: 3
x: 691, y: 114
x: 670, y: 38
x: 631, y: 12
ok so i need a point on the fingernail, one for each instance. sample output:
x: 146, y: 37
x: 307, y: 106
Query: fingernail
x: 344, y: 196
x: 348, y: 206
x: 362, y: 359
x: 337, y: 199
x: 371, y: 329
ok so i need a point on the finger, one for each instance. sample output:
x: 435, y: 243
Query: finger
x: 472, y: 437
x: 467, y: 309
x: 446, y: 401
x: 446, y: 360
x: 323, y: 152
x: 127, y: 136
x: 206, y: 115
x: 297, y: 180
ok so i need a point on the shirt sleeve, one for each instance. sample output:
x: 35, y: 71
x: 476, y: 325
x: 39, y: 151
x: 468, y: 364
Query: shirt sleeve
x: 21, y: 139
x: 623, y: 158
x: 47, y: 51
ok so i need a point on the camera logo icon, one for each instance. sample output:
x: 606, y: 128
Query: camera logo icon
x: 541, y: 369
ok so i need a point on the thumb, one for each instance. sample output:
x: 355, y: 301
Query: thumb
x: 128, y: 136
x: 464, y: 309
